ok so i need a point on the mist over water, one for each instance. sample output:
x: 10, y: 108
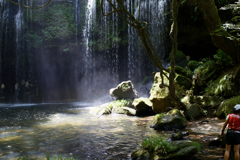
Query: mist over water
x: 68, y: 130
x: 73, y: 51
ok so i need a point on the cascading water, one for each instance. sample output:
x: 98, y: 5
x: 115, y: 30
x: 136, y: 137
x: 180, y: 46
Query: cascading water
x: 80, y: 56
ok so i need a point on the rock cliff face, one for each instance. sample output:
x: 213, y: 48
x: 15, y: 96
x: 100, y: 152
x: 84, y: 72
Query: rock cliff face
x: 193, y: 36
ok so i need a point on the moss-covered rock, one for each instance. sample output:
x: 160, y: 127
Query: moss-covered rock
x: 226, y: 107
x: 124, y: 110
x: 194, y: 64
x: 106, y: 108
x: 209, y: 70
x: 184, y: 153
x: 160, y: 96
x: 223, y: 86
x: 140, y: 154
x: 124, y: 90
x: 194, y: 112
x: 173, y: 119
x: 182, y: 71
x: 207, y: 101
x: 142, y: 105
x: 183, y: 81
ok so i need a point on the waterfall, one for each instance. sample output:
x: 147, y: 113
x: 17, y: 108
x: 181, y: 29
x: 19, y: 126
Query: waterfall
x: 96, y: 54
x: 76, y: 19
x: 19, y: 24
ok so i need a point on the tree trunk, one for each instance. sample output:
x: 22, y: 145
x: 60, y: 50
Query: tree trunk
x: 220, y: 37
x: 173, y: 35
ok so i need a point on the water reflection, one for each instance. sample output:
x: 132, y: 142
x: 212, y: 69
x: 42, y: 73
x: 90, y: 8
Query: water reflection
x: 68, y: 129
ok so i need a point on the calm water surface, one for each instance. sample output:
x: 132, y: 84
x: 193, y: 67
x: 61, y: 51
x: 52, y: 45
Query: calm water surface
x: 68, y: 129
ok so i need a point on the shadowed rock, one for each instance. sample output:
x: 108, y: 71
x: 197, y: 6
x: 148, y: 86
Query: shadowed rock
x: 143, y: 106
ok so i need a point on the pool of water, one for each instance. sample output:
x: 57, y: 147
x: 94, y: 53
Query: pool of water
x: 68, y: 129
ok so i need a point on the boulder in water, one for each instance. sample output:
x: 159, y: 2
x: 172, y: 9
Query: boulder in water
x: 124, y: 90
x: 143, y: 106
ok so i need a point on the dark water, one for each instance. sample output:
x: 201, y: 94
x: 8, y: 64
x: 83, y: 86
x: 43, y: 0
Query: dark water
x: 68, y: 129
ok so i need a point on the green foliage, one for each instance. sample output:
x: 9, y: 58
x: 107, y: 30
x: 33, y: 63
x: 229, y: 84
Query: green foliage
x: 66, y: 49
x: 192, y: 65
x: 225, y: 2
x: 120, y: 103
x: 57, y: 22
x: 158, y: 144
x: 223, y: 58
x: 205, y: 67
x: 184, y: 1
x: 34, y: 39
x: 206, y: 71
x: 157, y: 117
x: 179, y: 54
x: 195, y: 9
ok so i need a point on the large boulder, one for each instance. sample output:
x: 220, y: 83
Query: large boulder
x: 194, y: 112
x: 124, y: 90
x: 160, y: 96
x: 143, y: 106
x: 226, y: 107
x: 173, y: 119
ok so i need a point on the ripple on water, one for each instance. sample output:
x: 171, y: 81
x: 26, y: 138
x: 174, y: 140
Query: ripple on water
x: 67, y: 130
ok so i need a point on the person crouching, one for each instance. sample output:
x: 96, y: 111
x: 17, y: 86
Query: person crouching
x: 233, y: 132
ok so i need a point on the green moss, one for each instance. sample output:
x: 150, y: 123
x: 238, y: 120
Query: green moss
x: 226, y: 107
x: 125, y: 87
x: 157, y: 117
x: 58, y: 22
x: 179, y: 54
x: 194, y: 64
x: 222, y: 86
x: 223, y: 58
x: 198, y: 145
x: 120, y: 103
x: 206, y: 72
